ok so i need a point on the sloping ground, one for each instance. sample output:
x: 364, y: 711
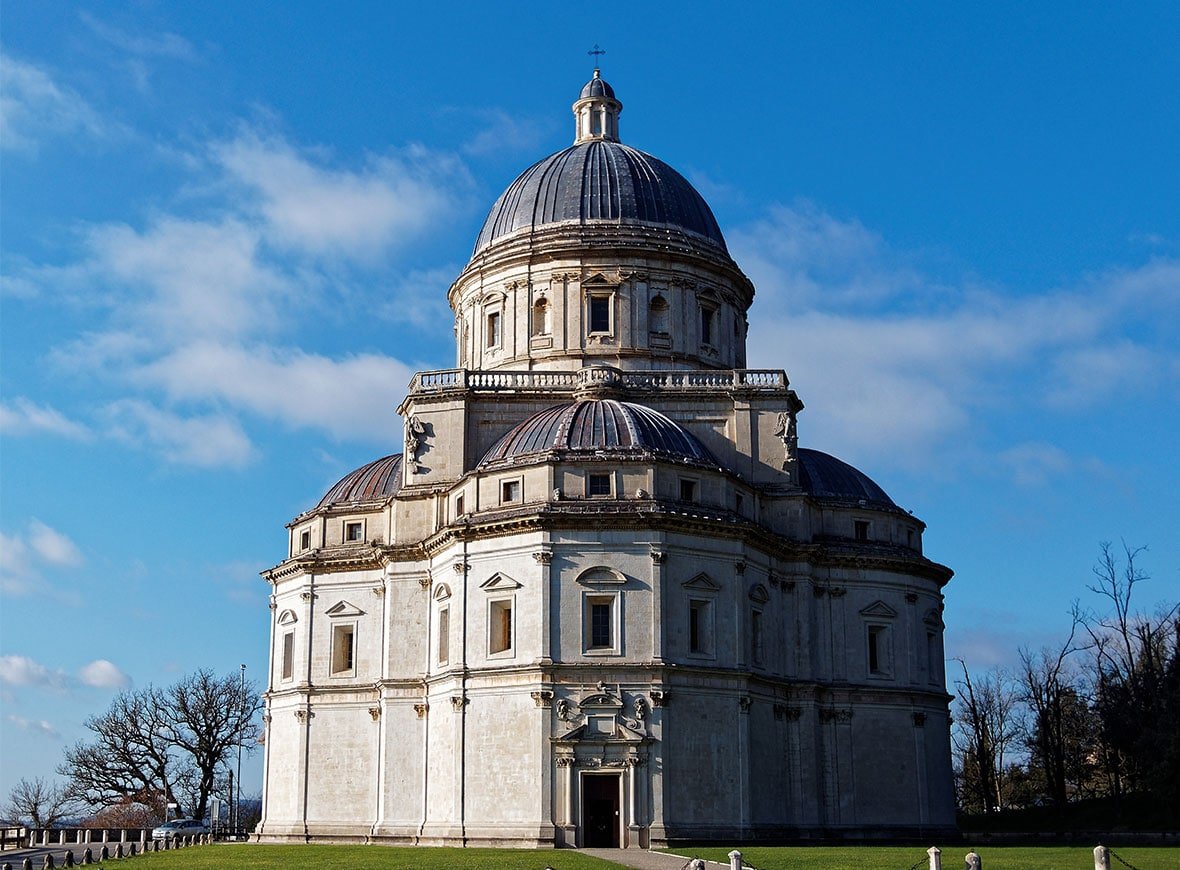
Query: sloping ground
x: 906, y: 857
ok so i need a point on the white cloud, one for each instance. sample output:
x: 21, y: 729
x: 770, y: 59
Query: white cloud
x: 24, y: 671
x: 504, y: 133
x: 38, y: 726
x: 893, y: 362
x: 320, y: 210
x: 24, y: 417
x: 349, y: 398
x: 204, y: 441
x: 166, y: 45
x: 33, y: 106
x: 102, y: 674
x: 52, y: 546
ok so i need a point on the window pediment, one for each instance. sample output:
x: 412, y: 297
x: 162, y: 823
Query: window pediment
x: 933, y: 618
x: 702, y: 583
x: 499, y: 583
x: 442, y: 592
x: 600, y: 575
x: 344, y: 608
x: 879, y: 609
x: 758, y: 594
x: 288, y: 617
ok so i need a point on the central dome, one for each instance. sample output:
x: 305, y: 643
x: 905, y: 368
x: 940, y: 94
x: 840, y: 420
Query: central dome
x: 600, y: 181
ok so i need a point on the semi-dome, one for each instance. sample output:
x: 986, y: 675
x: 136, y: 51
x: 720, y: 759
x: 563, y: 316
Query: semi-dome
x: 374, y: 482
x: 600, y: 181
x: 823, y: 475
x: 599, y: 426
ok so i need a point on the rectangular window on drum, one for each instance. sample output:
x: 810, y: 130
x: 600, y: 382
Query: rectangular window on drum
x: 600, y: 314
x: 288, y: 655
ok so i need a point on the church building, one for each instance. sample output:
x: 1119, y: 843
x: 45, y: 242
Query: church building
x: 602, y: 597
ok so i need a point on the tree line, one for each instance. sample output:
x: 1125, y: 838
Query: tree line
x: 1096, y: 716
x: 152, y: 747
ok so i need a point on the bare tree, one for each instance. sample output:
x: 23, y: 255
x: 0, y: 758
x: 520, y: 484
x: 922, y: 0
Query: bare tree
x: 1133, y: 657
x: 155, y: 746
x: 986, y: 725
x: 40, y: 803
x: 208, y: 716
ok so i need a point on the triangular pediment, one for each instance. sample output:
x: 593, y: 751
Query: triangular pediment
x: 702, y: 583
x: 344, y: 608
x: 499, y: 583
x: 596, y: 279
x: 879, y: 609
x: 288, y: 617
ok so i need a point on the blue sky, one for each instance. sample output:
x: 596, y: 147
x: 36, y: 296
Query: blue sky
x: 228, y: 231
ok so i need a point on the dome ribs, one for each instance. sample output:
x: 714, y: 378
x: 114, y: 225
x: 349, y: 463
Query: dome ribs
x: 377, y: 480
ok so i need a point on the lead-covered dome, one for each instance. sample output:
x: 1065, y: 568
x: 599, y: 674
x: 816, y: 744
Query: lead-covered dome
x: 592, y: 427
x: 825, y: 476
x: 376, y: 481
x: 598, y: 180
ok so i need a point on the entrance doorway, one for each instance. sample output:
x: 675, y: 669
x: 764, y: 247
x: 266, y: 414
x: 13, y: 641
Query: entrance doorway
x: 600, y: 810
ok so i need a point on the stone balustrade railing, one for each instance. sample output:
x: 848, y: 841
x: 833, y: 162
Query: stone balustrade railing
x: 677, y: 380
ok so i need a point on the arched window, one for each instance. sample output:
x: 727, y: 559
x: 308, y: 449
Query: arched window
x: 658, y: 315
x: 541, y: 318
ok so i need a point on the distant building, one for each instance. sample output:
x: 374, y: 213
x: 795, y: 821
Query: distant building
x: 603, y: 597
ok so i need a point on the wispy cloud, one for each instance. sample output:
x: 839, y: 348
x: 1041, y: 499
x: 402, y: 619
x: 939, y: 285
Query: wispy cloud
x: 21, y: 671
x: 164, y: 44
x: 894, y: 362
x: 26, y: 556
x: 22, y: 416
x: 36, y: 726
x: 34, y: 106
x: 504, y: 133
x: 201, y: 440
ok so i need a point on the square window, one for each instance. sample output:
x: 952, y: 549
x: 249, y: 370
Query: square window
x: 493, y: 330
x: 600, y: 314
x: 688, y: 490
x: 510, y: 492
x: 288, y: 671
x: 305, y: 540
x: 500, y: 626
x: 354, y: 530
x: 343, y: 649
x: 598, y: 485
x: 860, y: 530
x: 444, y: 635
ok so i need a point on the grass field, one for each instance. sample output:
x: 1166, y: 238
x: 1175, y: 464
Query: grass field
x: 257, y: 857
x: 904, y: 857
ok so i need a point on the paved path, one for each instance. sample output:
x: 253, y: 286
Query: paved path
x: 641, y: 859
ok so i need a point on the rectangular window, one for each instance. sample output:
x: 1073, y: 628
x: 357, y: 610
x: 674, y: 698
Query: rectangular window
x: 459, y: 506
x: 933, y: 665
x: 688, y: 490
x: 305, y: 540
x: 493, y: 331
x: 708, y: 318
x: 860, y: 529
x: 598, y: 485
x: 600, y: 314
x: 500, y: 626
x: 343, y: 649
x: 756, y: 637
x: 600, y: 624
x: 288, y: 655
x: 510, y: 492
x: 444, y: 635
x: 878, y: 650
x: 738, y: 502
x: 909, y: 538
x: 699, y: 628
x: 354, y: 530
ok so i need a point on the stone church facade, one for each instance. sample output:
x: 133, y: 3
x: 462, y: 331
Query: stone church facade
x: 602, y: 597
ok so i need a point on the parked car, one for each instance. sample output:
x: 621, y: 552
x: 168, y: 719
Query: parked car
x: 180, y: 828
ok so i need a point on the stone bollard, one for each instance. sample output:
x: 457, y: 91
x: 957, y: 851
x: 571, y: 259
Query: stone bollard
x: 1101, y: 857
x: 69, y: 861
x: 735, y: 860
x: 132, y: 850
x: 104, y: 853
x: 48, y: 865
x: 26, y: 864
x: 935, y: 854
x: 155, y: 845
x: 696, y: 864
x: 119, y: 850
x: 974, y: 862
x: 88, y: 856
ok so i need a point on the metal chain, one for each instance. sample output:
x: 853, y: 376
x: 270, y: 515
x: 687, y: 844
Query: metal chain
x: 1121, y: 860
x: 919, y: 864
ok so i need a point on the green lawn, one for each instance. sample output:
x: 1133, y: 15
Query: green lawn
x: 264, y: 857
x: 904, y: 857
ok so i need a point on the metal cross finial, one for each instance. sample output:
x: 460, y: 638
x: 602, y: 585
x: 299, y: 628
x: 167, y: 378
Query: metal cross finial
x: 597, y: 52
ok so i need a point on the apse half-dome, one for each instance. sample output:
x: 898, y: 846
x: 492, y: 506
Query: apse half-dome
x: 375, y: 481
x: 824, y: 476
x: 593, y: 427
